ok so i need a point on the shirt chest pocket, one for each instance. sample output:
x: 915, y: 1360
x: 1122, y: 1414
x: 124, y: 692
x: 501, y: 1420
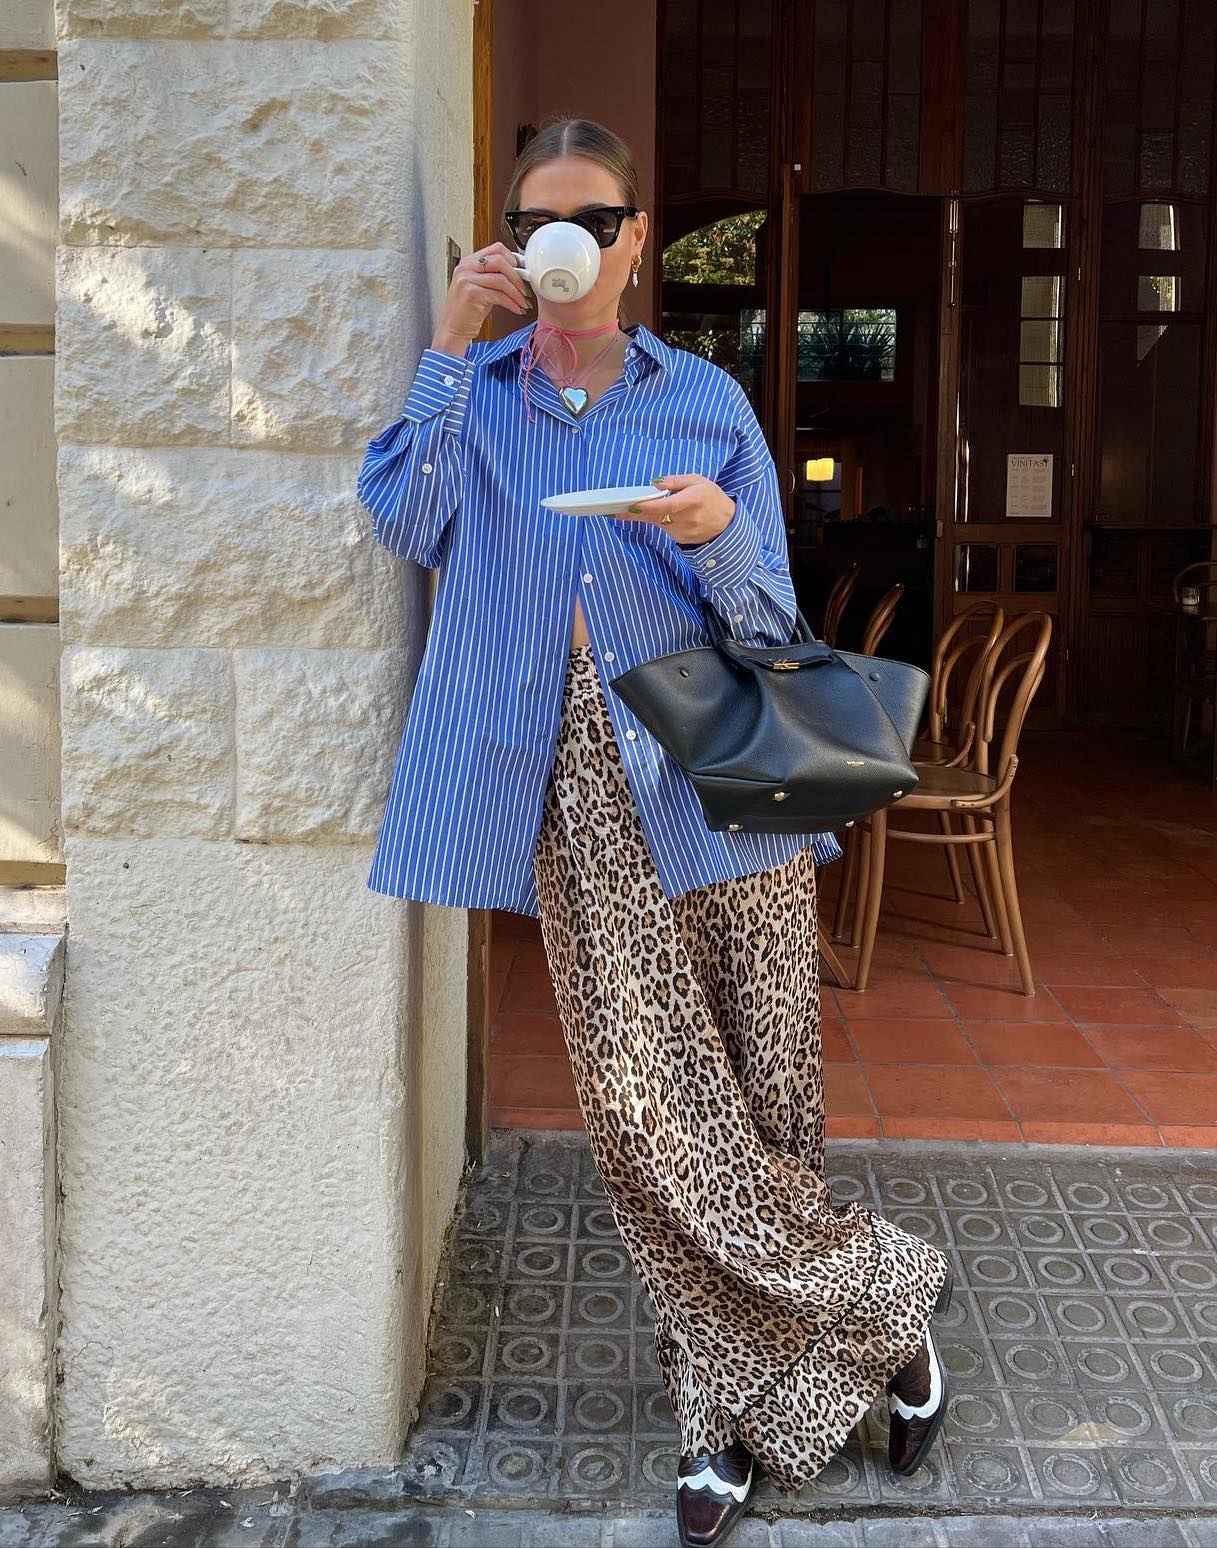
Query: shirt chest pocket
x: 639, y: 456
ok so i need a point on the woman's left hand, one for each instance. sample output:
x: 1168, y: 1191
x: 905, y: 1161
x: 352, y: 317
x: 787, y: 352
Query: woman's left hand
x: 696, y: 510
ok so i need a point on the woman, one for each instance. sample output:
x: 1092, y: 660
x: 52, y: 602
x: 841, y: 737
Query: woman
x: 684, y: 961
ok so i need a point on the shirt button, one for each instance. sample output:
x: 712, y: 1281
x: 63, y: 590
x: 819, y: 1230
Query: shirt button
x: 449, y: 381
x: 710, y: 563
x: 610, y: 655
x: 739, y: 617
x: 426, y: 467
x: 632, y: 734
x: 589, y: 579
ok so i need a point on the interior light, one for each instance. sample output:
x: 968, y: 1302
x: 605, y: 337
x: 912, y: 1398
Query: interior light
x: 819, y: 470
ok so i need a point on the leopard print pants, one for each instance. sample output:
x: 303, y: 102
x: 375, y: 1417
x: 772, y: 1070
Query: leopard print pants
x: 693, y: 1029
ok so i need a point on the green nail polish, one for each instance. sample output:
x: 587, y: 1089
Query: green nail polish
x: 637, y: 509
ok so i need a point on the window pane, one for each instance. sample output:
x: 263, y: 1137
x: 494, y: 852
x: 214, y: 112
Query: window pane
x: 1159, y: 227
x: 1043, y: 225
x: 1035, y: 567
x: 1158, y: 293
x: 1149, y: 423
x: 1041, y: 295
x: 1143, y: 244
x: 976, y: 567
x: 1012, y: 348
x: 857, y: 344
x: 1040, y: 343
x: 1039, y: 386
x: 722, y: 253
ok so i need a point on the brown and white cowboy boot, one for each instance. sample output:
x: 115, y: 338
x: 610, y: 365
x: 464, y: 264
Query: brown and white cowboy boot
x: 917, y: 1399
x: 712, y: 1490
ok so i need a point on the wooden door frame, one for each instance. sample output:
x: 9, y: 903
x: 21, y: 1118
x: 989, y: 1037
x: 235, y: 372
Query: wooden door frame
x: 780, y: 405
x: 480, y: 935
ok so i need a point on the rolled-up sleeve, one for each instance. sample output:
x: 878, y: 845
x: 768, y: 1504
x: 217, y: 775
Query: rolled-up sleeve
x: 744, y: 572
x: 412, y: 475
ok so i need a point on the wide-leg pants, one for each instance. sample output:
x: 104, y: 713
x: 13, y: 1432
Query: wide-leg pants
x: 693, y: 1029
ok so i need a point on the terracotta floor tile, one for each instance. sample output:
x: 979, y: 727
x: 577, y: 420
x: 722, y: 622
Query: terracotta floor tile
x: 1003, y: 1004
x: 1174, y: 1098
x: 845, y: 1093
x: 1094, y: 969
x: 909, y: 1040
x: 910, y: 998
x: 1183, y: 971
x: 834, y: 1043
x: 1066, y: 1096
x: 934, y: 1092
x: 851, y: 1126
x: 1143, y: 1006
x: 1108, y: 1134
x: 982, y: 965
x: 1154, y: 1048
x: 1045, y: 937
x: 1197, y: 1006
x: 993, y: 1130
x: 1166, y: 939
x: 1189, y: 1136
x: 1037, y: 1043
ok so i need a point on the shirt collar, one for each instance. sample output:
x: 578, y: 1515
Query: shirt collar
x: 645, y: 343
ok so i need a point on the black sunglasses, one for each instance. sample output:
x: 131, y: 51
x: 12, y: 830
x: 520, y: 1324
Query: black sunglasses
x: 604, y: 222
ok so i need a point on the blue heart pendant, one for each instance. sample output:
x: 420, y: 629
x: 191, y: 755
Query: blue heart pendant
x: 575, y: 399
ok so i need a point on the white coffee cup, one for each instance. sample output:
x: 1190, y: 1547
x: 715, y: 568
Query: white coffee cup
x: 561, y: 261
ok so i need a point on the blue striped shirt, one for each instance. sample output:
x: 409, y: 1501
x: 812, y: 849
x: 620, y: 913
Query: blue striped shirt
x: 455, y: 483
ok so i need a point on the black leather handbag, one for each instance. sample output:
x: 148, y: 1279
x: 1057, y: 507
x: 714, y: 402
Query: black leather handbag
x: 797, y: 738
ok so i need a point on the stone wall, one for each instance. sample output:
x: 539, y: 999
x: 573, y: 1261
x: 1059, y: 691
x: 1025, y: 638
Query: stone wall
x: 262, y: 1078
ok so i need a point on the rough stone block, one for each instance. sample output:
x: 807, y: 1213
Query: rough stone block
x: 173, y: 545
x: 281, y: 144
x: 316, y: 737
x: 235, y: 1111
x: 317, y: 337
x: 148, y: 742
x: 144, y: 346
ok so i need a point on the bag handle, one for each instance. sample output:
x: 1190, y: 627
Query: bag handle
x: 761, y: 655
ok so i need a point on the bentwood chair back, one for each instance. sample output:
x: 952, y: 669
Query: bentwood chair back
x: 1195, y: 677
x: 880, y: 620
x: 838, y: 601
x: 972, y: 633
x: 976, y: 792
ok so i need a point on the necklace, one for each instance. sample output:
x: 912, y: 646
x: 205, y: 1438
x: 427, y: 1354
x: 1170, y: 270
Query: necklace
x: 574, y: 396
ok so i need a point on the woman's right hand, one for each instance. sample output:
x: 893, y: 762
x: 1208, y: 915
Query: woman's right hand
x: 474, y: 289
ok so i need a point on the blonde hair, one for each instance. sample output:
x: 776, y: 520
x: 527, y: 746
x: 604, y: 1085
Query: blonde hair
x: 575, y: 137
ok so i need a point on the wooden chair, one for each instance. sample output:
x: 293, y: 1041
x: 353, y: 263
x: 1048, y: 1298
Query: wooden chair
x: 1195, y: 678
x: 962, y: 637
x: 880, y: 620
x: 838, y: 601
x: 973, y: 791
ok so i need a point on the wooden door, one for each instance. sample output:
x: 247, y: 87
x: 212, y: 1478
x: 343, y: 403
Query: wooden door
x: 782, y: 268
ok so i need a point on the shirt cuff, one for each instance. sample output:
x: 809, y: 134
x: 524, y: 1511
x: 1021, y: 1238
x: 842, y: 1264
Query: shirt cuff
x: 440, y: 386
x: 732, y: 556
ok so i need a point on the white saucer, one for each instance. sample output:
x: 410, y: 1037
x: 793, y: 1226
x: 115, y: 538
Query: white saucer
x: 602, y: 502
